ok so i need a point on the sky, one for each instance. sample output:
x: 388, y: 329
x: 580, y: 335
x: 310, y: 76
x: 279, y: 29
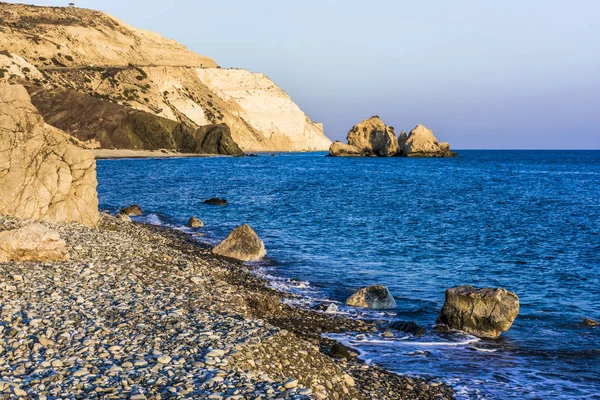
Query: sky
x: 497, y: 74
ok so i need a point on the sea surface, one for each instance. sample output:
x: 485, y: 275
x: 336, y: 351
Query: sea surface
x: 527, y: 221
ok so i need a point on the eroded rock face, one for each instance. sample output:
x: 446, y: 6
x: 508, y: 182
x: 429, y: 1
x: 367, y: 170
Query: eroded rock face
x: 33, y: 242
x: 422, y: 143
x: 43, y: 176
x: 373, y: 137
x: 339, y: 149
x: 377, y: 296
x: 242, y: 244
x: 482, y: 312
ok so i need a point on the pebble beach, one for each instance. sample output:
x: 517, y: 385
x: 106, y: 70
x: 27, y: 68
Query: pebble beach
x: 146, y: 312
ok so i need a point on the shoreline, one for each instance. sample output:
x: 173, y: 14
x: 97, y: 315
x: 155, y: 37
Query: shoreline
x: 115, y: 154
x: 148, y: 281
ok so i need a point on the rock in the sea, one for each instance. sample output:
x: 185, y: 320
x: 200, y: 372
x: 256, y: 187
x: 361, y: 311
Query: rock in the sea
x: 133, y: 209
x: 194, y: 222
x: 373, y: 137
x: 242, y: 244
x: 215, y: 201
x: 590, y: 322
x: 33, y: 242
x: 408, y: 327
x: 422, y: 143
x: 377, y: 296
x: 339, y: 149
x: 43, y: 175
x: 482, y: 312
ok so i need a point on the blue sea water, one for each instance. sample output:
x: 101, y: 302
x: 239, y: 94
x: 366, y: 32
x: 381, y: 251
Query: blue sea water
x: 528, y: 221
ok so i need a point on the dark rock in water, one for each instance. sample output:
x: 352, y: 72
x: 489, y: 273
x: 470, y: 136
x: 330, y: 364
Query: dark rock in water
x: 338, y: 350
x: 194, y: 222
x: 590, y: 322
x: 326, y: 307
x: 377, y: 296
x: 251, y: 155
x: 482, y: 312
x: 133, y: 209
x: 408, y: 327
x: 215, y: 201
x: 242, y: 244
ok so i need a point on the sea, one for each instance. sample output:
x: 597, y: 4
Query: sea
x: 526, y: 221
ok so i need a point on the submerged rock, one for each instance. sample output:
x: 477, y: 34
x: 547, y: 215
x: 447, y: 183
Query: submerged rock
x: 590, y: 322
x: 421, y: 142
x: 194, y: 222
x: 33, y: 242
x: 408, y: 327
x: 377, y: 296
x: 242, y: 244
x: 43, y: 174
x: 339, y: 149
x: 215, y: 201
x: 133, y: 209
x: 482, y: 312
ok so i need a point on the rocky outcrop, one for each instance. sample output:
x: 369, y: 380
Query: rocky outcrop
x: 194, y: 222
x: 373, y: 137
x: 43, y: 174
x: 110, y: 125
x: 377, y: 296
x: 590, y: 322
x: 215, y: 201
x: 242, y: 244
x: 133, y: 209
x: 422, y: 143
x: 33, y: 242
x: 97, y: 55
x: 339, y: 149
x: 482, y: 312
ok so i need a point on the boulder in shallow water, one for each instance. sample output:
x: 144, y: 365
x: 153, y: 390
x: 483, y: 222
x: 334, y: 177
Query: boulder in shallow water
x: 408, y: 327
x: 377, y: 297
x: 590, y: 322
x: 194, y: 222
x: 482, y: 312
x: 215, y: 201
x: 242, y: 244
x: 33, y: 242
x: 133, y: 209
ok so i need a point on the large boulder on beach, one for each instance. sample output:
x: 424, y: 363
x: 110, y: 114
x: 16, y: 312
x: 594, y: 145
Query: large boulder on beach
x: 482, y: 312
x: 373, y: 137
x: 421, y: 142
x: 242, y: 244
x: 44, y: 175
x: 33, y: 242
x: 377, y: 296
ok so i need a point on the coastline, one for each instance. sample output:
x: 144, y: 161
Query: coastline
x: 213, y: 319
x: 113, y: 154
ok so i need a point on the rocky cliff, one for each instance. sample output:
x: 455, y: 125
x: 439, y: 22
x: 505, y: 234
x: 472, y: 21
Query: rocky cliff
x: 103, y: 58
x: 43, y: 174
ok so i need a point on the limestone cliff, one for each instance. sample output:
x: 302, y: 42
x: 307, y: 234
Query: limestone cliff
x: 43, y: 175
x: 100, y: 56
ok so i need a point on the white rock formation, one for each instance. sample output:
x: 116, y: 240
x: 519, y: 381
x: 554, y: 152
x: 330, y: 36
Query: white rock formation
x: 43, y: 176
x: 33, y: 242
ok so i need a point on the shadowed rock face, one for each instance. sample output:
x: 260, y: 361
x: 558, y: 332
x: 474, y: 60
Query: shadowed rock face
x: 378, y: 297
x: 33, y: 242
x: 117, y: 126
x: 43, y: 175
x: 483, y: 312
x: 242, y: 244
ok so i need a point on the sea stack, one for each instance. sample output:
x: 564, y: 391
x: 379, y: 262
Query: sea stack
x: 373, y: 138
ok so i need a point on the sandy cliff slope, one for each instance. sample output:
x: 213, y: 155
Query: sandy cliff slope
x: 102, y: 57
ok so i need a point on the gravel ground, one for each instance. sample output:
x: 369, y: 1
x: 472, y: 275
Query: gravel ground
x: 145, y: 312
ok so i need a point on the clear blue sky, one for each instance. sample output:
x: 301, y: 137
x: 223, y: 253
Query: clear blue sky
x: 481, y: 73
